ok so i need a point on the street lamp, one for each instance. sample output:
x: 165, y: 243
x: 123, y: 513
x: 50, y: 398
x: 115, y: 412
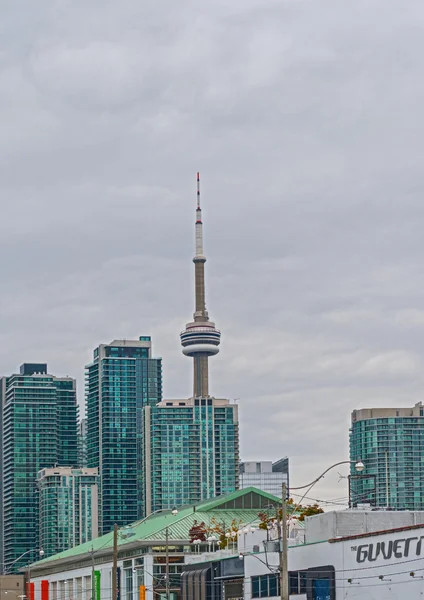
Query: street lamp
x: 7, y: 571
x: 211, y: 542
x: 244, y: 531
x: 174, y: 513
x: 28, y: 591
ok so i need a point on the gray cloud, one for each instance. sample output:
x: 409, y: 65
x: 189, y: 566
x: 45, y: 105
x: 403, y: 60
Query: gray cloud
x: 305, y: 121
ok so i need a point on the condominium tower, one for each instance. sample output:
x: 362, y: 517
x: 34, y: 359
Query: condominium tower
x: 68, y: 508
x: 191, y: 451
x: 390, y: 443
x: 39, y: 430
x: 192, y: 446
x: 122, y: 379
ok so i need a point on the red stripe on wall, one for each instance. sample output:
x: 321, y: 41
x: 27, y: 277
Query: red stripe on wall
x: 44, y: 589
x: 30, y: 591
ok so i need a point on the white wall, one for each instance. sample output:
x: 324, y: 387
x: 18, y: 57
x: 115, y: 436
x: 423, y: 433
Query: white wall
x: 352, y: 560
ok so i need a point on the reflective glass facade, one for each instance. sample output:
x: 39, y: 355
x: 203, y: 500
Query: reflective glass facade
x: 39, y: 430
x: 191, y: 451
x: 68, y: 508
x: 390, y: 443
x: 82, y: 443
x: 265, y: 475
x: 120, y: 382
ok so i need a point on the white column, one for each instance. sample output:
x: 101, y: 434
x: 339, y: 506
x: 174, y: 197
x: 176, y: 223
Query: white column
x: 148, y: 576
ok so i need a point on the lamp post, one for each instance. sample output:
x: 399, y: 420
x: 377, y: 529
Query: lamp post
x: 7, y: 571
x: 174, y: 512
x: 212, y: 539
x: 282, y: 525
x: 244, y: 532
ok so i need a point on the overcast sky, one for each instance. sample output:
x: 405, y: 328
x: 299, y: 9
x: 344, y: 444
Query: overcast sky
x: 305, y: 121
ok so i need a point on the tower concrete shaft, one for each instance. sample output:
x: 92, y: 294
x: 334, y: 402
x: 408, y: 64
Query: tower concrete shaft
x: 200, y: 339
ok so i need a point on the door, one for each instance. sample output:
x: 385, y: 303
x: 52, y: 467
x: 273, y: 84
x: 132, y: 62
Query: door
x: 321, y: 589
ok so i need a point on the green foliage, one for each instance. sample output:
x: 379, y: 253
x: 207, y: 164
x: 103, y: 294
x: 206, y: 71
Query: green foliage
x: 300, y: 512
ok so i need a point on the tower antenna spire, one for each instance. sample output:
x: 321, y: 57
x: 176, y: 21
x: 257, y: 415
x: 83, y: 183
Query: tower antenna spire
x: 200, y: 338
x: 199, y: 226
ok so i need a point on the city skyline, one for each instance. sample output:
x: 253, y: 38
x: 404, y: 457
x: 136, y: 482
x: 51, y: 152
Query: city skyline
x: 304, y: 125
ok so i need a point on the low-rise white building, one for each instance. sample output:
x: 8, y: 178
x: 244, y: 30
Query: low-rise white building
x: 378, y: 565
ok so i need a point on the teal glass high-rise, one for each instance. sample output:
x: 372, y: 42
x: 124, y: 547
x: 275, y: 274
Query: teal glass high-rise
x: 122, y: 379
x: 68, y: 508
x: 390, y: 442
x: 39, y: 429
x: 191, y: 451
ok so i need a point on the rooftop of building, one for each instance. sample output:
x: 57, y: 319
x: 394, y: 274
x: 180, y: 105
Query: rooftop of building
x: 364, y: 414
x: 251, y: 467
x: 238, y: 508
x: 176, y: 403
x: 67, y: 471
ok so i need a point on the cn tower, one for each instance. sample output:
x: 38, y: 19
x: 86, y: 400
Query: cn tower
x: 200, y: 339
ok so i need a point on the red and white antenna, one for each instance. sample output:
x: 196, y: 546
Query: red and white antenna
x: 199, y: 224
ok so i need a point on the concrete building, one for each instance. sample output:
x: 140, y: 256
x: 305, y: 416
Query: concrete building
x: 142, y: 550
x: 39, y: 429
x: 68, y: 508
x: 389, y: 441
x: 191, y: 451
x: 265, y: 475
x: 122, y: 379
x: 12, y: 587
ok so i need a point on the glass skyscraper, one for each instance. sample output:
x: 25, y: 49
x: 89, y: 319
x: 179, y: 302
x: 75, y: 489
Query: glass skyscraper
x: 39, y: 429
x: 265, y: 475
x: 390, y: 443
x: 68, y: 508
x: 191, y: 451
x: 122, y: 379
x: 82, y: 443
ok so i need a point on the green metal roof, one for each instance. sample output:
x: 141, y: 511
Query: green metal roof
x: 223, y: 510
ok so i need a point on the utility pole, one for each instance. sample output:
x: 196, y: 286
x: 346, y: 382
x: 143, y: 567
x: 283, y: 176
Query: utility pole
x: 93, y: 583
x: 166, y: 564
x: 283, y: 545
x: 115, y: 563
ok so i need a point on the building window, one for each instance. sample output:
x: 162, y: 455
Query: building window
x: 268, y: 586
x: 129, y: 584
x: 265, y: 586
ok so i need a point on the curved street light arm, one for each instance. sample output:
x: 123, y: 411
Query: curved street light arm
x: 21, y: 556
x: 311, y: 485
x: 343, y: 462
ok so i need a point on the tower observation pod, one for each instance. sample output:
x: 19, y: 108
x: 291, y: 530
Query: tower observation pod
x: 200, y: 339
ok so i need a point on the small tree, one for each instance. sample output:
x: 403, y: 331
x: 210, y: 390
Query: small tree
x: 198, y: 531
x: 300, y: 512
x: 219, y: 529
x: 309, y: 511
